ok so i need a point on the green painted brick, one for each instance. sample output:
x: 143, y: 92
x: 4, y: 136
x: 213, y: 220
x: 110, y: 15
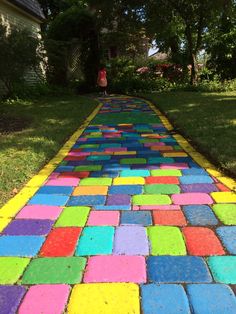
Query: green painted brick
x: 151, y: 199
x: 89, y: 146
x: 130, y: 161
x: 96, y: 181
x: 11, y: 269
x: 162, y: 189
x: 149, y: 140
x: 66, y: 270
x: 89, y: 168
x: 226, y: 213
x: 223, y: 268
x: 166, y: 241
x: 166, y: 172
x: 75, y: 216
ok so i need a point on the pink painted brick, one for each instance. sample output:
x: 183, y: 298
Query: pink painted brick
x: 151, y: 144
x: 116, y: 149
x: 54, y: 175
x: 46, y: 299
x: 135, y: 207
x: 116, y: 269
x: 174, y: 166
x: 103, y: 218
x: 63, y: 182
x: 78, y: 153
x: 39, y: 212
x: 160, y: 207
x: 192, y: 199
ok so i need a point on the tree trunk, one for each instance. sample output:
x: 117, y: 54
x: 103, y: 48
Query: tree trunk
x: 194, y: 69
x: 192, y: 56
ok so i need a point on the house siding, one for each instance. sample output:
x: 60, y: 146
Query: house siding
x: 11, y: 16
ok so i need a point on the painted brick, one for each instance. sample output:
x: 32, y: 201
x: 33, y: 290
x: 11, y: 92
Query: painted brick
x: 179, y: 269
x: 202, y: 241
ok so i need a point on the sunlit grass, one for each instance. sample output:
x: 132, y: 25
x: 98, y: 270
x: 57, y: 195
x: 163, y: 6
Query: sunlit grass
x: 205, y: 119
x: 52, y: 121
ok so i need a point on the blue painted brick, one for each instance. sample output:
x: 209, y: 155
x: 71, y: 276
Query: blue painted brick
x: 112, y: 207
x: 87, y: 200
x: 104, y: 174
x: 228, y: 237
x: 195, y: 179
x: 181, y: 269
x: 143, y: 218
x: 125, y: 189
x: 44, y: 199
x: 135, y: 173
x: 59, y: 190
x: 200, y: 215
x: 194, y: 171
x: 211, y: 299
x: 64, y: 169
x: 98, y: 157
x: 27, y: 246
x: 164, y: 299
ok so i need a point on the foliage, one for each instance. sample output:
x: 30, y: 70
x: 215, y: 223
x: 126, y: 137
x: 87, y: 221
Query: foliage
x: 221, y: 42
x: 185, y: 24
x: 72, y: 38
x: 19, y: 53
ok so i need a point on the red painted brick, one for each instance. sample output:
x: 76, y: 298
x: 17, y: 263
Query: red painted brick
x: 169, y: 218
x: 202, y: 241
x: 61, y: 242
x: 222, y: 187
x: 75, y: 174
x: 162, y: 180
x: 77, y: 158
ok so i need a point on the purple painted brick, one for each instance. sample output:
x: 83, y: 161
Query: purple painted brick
x: 131, y: 240
x: 199, y: 187
x: 29, y: 227
x: 119, y: 199
x: 10, y: 298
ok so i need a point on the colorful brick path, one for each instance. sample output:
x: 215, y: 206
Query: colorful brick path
x: 127, y: 223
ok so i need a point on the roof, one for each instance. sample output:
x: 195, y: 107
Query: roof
x: 30, y: 6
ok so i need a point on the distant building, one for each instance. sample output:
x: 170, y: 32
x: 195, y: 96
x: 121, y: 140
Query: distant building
x: 25, y: 14
x: 159, y: 56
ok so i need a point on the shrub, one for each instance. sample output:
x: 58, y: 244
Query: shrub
x: 18, y: 54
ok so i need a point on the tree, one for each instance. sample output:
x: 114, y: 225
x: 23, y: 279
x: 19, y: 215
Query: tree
x: 18, y: 54
x: 221, y: 42
x: 73, y: 30
x: 195, y: 17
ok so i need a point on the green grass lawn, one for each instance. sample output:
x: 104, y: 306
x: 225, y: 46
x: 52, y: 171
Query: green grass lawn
x: 207, y: 120
x: 50, y: 121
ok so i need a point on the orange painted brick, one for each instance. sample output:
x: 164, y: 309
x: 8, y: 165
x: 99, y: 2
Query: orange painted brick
x: 90, y: 190
x: 202, y: 241
x: 162, y: 180
x: 222, y: 187
x: 169, y: 218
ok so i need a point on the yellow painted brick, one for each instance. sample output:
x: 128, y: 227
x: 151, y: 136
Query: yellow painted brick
x: 105, y: 298
x: 213, y: 172
x: 128, y: 180
x: 125, y: 153
x: 230, y: 183
x: 224, y: 197
x: 175, y: 154
x: 37, y: 180
x: 4, y: 222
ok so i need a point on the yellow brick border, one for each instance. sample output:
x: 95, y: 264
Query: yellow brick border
x: 197, y: 157
x: 13, y: 206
